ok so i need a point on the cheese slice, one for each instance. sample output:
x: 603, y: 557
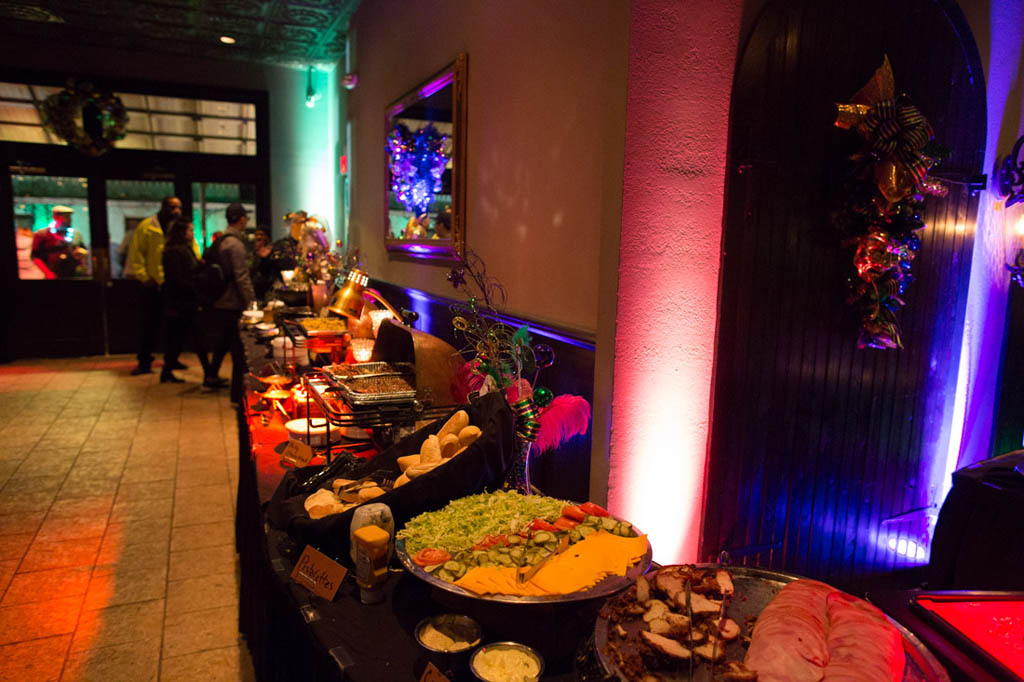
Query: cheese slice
x: 579, y: 567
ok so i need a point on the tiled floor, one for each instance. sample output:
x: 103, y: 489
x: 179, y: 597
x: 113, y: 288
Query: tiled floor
x: 117, y: 557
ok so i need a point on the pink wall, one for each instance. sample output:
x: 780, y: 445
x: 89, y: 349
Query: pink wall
x: 681, y: 62
x: 546, y: 130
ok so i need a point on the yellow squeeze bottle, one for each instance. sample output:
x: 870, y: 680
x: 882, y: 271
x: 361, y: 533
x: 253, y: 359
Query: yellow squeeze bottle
x: 371, y: 544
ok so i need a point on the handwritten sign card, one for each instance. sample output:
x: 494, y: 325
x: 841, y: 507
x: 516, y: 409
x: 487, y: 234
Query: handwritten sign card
x: 317, y: 572
x: 296, y: 453
x: 432, y: 674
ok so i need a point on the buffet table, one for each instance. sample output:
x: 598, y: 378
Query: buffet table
x: 293, y: 634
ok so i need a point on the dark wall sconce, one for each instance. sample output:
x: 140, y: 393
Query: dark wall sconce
x: 1011, y: 176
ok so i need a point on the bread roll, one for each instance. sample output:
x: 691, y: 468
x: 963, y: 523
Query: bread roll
x: 459, y: 451
x: 320, y: 497
x: 455, y: 424
x: 408, y: 461
x: 420, y: 469
x: 367, y: 494
x: 401, y: 480
x: 321, y: 510
x: 468, y: 435
x: 449, y: 444
x: 430, y: 451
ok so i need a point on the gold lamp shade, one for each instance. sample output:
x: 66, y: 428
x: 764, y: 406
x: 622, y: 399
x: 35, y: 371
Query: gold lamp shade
x: 349, y: 299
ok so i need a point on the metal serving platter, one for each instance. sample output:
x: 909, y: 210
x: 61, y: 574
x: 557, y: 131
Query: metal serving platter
x: 610, y: 585
x: 348, y: 383
x: 755, y: 587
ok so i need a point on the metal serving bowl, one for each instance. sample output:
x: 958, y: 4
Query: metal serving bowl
x: 464, y: 626
x: 505, y: 645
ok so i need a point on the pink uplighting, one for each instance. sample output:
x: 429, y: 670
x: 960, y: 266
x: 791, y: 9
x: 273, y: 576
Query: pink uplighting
x: 669, y: 264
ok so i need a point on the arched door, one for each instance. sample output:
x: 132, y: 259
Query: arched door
x: 823, y: 455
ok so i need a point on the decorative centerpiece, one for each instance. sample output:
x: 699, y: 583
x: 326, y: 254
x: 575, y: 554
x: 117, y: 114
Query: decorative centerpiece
x: 883, y: 199
x: 504, y: 358
x: 88, y: 119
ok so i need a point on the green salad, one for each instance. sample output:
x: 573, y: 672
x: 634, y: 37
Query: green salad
x: 467, y: 521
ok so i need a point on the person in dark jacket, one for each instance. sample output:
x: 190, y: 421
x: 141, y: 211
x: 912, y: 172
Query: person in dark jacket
x: 180, y: 302
x: 264, y: 268
x: 229, y: 250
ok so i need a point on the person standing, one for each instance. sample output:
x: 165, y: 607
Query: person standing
x: 145, y: 256
x: 53, y: 247
x: 229, y: 251
x: 181, y: 303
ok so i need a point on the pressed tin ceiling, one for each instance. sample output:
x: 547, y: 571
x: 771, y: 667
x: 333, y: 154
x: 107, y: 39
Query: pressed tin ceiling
x: 284, y: 32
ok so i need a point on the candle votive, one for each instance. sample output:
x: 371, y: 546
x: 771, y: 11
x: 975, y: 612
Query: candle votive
x: 362, y: 349
x: 378, y: 316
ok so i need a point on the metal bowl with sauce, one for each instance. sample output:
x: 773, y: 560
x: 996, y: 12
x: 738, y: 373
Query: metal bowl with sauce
x: 475, y: 664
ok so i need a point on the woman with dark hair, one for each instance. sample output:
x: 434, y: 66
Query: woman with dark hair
x: 180, y: 300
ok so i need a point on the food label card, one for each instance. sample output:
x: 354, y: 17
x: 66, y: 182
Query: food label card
x: 432, y: 674
x: 317, y: 572
x: 297, y: 453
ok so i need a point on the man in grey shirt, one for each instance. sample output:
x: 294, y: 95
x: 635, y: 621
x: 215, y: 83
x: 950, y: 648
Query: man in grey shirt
x: 229, y: 250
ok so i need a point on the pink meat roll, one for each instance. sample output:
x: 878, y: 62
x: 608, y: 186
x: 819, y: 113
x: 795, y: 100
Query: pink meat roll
x: 790, y: 641
x: 863, y: 645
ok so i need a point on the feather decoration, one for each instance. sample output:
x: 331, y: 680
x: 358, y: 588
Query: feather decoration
x: 566, y: 417
x: 467, y: 379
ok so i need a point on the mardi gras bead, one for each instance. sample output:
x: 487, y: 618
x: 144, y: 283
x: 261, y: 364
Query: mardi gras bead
x: 543, y: 396
x: 544, y: 354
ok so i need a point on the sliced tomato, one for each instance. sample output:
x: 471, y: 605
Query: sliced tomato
x: 595, y: 509
x: 541, y: 524
x: 565, y: 523
x: 490, y: 541
x: 428, y: 556
x: 573, y: 512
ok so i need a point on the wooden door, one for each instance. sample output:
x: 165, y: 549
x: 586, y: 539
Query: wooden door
x: 819, y: 449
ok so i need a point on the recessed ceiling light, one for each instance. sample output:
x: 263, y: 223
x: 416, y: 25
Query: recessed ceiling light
x: 227, y: 40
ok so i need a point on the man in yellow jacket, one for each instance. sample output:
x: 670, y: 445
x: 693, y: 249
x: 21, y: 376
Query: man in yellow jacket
x: 145, y: 255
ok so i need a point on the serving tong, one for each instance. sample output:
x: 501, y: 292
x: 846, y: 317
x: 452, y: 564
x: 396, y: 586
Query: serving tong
x: 380, y: 477
x: 524, y: 577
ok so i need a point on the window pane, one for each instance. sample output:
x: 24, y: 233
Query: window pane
x: 51, y: 223
x: 171, y: 124
x: 209, y: 203
x: 129, y: 202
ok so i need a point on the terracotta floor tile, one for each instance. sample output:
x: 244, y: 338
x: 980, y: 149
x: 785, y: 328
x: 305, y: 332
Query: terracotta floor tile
x: 50, y: 584
x: 40, y: 619
x: 215, y: 560
x: 96, y: 506
x: 38, y: 660
x: 87, y: 488
x: 187, y: 633
x: 119, y: 625
x: 125, y: 587
x: 144, y: 508
x: 27, y: 522
x: 230, y: 664
x: 187, y: 515
x: 139, y: 531
x: 14, y: 502
x: 63, y: 553
x: 202, y: 535
x: 14, y: 546
x: 145, y: 490
x: 204, y: 494
x: 202, y: 592
x: 7, y: 569
x: 71, y: 528
x: 132, y: 662
x: 136, y: 557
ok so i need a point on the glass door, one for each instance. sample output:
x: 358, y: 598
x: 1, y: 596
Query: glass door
x: 129, y: 202
x: 51, y: 227
x: 209, y: 202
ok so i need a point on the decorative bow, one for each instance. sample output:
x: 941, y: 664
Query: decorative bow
x: 527, y: 426
x: 900, y: 130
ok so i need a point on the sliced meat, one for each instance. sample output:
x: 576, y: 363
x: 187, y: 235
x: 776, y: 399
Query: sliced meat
x: 668, y: 648
x: 701, y: 604
x: 655, y: 609
x: 789, y: 642
x: 643, y: 589
x: 863, y: 645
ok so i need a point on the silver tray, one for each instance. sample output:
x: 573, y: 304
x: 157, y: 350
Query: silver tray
x: 610, y: 585
x: 354, y: 397
x: 755, y: 587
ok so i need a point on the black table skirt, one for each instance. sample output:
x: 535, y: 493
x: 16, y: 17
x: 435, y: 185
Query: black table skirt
x: 293, y: 635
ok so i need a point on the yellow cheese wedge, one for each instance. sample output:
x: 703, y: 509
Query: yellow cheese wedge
x: 581, y: 566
